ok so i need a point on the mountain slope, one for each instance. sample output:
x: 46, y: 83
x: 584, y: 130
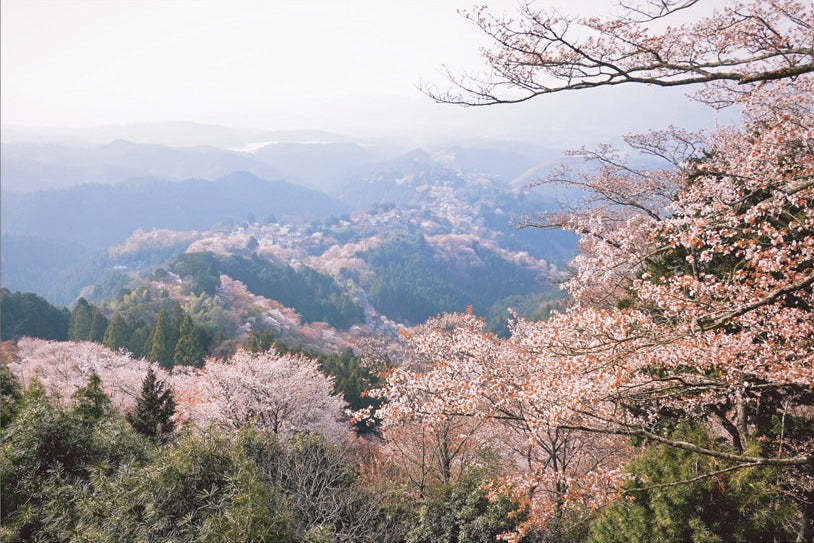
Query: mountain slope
x: 98, y: 216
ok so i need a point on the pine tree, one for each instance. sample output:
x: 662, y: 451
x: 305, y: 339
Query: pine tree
x: 162, y: 341
x: 155, y: 407
x: 81, y: 316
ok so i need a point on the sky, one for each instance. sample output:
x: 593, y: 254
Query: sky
x: 346, y: 66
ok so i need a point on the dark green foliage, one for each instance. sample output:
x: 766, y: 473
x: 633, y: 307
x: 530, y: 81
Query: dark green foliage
x: 49, y: 455
x: 191, y: 345
x: 139, y: 304
x: 409, y: 284
x: 87, y: 322
x: 155, y: 407
x: 162, y: 341
x: 26, y: 314
x: 743, y: 506
x: 80, y: 473
x: 98, y: 325
x: 412, y: 283
x: 177, y: 316
x: 136, y: 308
x: 11, y: 393
x: 90, y: 401
x: 81, y: 316
x: 533, y: 308
x: 117, y: 333
x: 211, y: 315
x: 314, y: 295
x: 137, y: 342
x: 199, y: 490
x: 462, y: 513
x: 352, y: 379
x: 259, y: 343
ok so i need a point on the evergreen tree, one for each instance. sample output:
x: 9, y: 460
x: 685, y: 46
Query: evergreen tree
x: 177, y: 317
x: 259, y: 343
x: 154, y: 409
x: 11, y: 393
x: 667, y: 501
x: 191, y: 344
x: 137, y: 342
x: 52, y: 457
x: 464, y: 513
x: 91, y: 402
x: 98, y: 325
x: 81, y: 316
x: 26, y: 314
x: 162, y: 341
x: 117, y: 333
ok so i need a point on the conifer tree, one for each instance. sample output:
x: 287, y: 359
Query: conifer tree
x: 259, y: 343
x: 91, y: 402
x: 98, y: 325
x: 117, y: 333
x: 190, y: 347
x: 155, y: 407
x: 137, y: 342
x: 11, y: 394
x: 177, y: 316
x: 162, y: 341
x: 81, y: 316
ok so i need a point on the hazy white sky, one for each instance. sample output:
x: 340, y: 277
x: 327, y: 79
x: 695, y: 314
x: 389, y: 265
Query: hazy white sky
x: 350, y: 66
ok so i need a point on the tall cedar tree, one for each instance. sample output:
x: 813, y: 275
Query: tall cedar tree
x: 162, y: 341
x: 117, y: 333
x: 98, y: 325
x: 155, y: 407
x: 81, y: 316
x: 190, y: 347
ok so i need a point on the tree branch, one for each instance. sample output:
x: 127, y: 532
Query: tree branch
x: 687, y: 446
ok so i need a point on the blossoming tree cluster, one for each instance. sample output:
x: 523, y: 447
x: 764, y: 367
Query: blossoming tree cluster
x: 283, y: 393
x: 693, y: 292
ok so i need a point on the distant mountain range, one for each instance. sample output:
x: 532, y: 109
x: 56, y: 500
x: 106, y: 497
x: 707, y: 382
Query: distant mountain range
x: 100, y: 215
x: 64, y: 206
x: 317, y: 160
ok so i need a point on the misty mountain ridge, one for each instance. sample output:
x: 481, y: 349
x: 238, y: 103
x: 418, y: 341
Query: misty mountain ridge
x: 319, y: 160
x: 331, y: 191
x: 99, y: 215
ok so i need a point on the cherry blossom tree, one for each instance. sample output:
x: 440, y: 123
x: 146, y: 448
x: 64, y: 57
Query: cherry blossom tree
x: 468, y: 391
x: 282, y: 393
x: 63, y: 367
x: 693, y: 290
x: 536, y: 52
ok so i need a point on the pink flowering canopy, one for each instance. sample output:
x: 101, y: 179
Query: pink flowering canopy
x: 692, y: 295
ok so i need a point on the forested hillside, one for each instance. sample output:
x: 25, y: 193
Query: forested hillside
x: 436, y: 353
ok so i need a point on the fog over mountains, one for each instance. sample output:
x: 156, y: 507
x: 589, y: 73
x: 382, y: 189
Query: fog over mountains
x: 64, y: 203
